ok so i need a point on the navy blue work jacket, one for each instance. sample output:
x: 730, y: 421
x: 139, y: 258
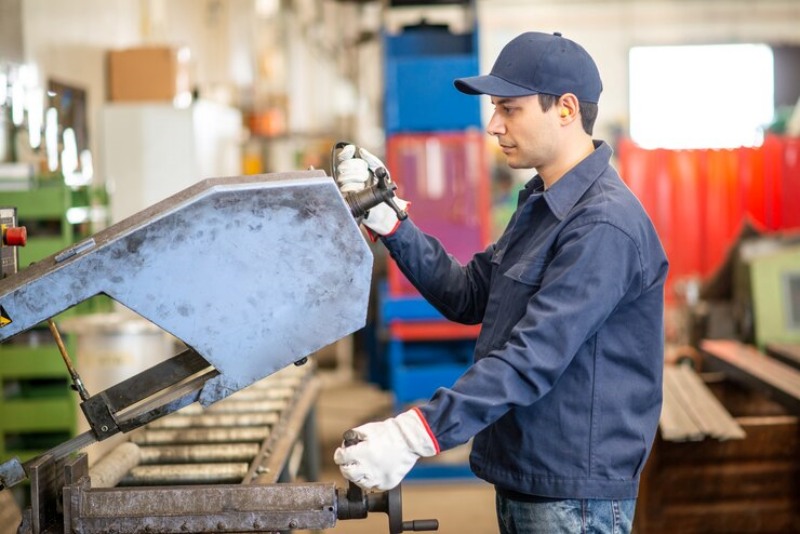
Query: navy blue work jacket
x: 564, y: 396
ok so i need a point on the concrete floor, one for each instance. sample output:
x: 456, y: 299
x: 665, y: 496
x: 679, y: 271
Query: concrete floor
x: 465, y: 506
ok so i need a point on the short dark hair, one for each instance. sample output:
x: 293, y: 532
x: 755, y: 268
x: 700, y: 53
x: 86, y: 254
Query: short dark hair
x: 588, y: 111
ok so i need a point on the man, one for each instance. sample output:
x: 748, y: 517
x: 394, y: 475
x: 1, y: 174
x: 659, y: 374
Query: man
x: 564, y: 396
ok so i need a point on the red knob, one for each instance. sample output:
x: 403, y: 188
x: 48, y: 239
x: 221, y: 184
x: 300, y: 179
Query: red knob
x: 16, y: 237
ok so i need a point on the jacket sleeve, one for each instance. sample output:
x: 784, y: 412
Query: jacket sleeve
x: 593, y: 269
x: 458, y: 291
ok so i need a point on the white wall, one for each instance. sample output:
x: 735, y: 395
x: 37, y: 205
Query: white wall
x: 607, y: 29
x: 67, y: 40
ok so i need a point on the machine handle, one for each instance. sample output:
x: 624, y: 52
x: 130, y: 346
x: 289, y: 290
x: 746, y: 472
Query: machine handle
x: 388, y: 502
x: 420, y: 525
x: 350, y: 438
x: 360, y: 202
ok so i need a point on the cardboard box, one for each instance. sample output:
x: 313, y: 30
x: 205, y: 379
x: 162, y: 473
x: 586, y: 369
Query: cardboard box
x: 158, y: 74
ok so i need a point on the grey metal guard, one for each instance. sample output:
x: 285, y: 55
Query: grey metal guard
x: 252, y: 272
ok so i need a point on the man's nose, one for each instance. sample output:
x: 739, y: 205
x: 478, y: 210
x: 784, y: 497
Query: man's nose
x: 495, y: 126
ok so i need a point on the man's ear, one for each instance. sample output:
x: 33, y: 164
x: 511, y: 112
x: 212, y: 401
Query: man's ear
x: 568, y: 108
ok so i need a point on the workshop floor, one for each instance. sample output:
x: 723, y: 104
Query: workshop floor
x: 461, y: 507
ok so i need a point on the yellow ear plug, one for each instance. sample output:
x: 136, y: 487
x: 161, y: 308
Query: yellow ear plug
x: 564, y: 112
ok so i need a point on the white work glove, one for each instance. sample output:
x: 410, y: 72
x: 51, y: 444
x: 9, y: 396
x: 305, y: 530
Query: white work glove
x: 382, y: 220
x: 353, y: 173
x: 356, y: 173
x: 387, y: 451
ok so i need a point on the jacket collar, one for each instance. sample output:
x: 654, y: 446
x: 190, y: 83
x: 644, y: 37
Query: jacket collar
x: 566, y: 192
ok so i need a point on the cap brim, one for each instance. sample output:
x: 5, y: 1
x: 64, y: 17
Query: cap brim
x: 490, y: 85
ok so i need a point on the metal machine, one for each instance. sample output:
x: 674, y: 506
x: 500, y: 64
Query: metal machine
x: 251, y: 273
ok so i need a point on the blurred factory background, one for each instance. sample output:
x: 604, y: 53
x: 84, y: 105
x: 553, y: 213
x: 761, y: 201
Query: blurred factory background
x: 107, y: 108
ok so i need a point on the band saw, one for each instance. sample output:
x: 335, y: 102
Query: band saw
x: 252, y: 274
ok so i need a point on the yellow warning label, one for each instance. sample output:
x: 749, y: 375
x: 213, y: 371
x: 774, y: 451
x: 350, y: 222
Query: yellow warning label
x: 4, y: 318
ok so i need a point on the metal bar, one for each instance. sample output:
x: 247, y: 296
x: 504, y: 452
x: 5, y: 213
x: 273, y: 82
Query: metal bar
x: 149, y: 475
x: 220, y: 508
x: 745, y: 364
x: 786, y: 353
x: 675, y: 423
x: 228, y: 452
x: 267, y: 467
x: 711, y: 416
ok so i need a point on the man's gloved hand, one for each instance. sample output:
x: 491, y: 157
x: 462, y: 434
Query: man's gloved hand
x: 356, y: 167
x: 353, y: 174
x: 387, y: 451
x: 382, y: 220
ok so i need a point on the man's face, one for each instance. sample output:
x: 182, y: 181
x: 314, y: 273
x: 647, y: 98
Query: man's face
x: 527, y: 136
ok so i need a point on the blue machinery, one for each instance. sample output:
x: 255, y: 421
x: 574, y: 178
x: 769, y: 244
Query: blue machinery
x: 432, y: 138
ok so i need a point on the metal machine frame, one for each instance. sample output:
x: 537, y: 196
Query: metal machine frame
x: 252, y: 273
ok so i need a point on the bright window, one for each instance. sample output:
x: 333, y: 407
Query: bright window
x: 713, y: 96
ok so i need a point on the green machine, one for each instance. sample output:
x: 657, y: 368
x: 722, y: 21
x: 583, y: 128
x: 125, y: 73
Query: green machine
x: 37, y: 407
x: 775, y: 290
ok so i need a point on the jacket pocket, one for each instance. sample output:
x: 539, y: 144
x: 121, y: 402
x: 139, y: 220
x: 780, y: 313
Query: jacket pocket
x: 528, y: 271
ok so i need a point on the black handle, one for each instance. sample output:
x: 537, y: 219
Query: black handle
x: 420, y: 525
x: 360, y: 202
x: 350, y: 438
x: 356, y: 503
x: 385, y: 182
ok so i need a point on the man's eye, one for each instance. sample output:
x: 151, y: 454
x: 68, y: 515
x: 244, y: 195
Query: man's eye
x: 507, y: 110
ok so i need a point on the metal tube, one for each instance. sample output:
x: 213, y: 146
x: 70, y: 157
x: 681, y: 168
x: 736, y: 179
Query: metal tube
x: 147, y: 475
x: 199, y: 435
x: 234, y: 406
x: 229, y: 452
x: 216, y: 420
x: 226, y: 406
x: 113, y: 467
x: 282, y: 391
x: 260, y: 394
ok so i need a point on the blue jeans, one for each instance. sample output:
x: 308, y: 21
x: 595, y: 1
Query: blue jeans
x: 567, y: 516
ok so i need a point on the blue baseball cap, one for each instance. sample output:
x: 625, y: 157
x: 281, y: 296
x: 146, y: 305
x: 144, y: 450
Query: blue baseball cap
x: 536, y: 63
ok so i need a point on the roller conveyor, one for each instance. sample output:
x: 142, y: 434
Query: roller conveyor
x: 209, y: 447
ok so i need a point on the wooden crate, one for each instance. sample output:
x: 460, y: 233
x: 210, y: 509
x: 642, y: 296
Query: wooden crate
x: 737, y: 486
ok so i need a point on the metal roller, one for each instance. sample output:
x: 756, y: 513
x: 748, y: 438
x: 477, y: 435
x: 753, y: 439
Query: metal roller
x: 199, y: 435
x: 236, y: 406
x: 112, y: 467
x: 175, y: 454
x: 283, y: 392
x: 150, y: 475
x: 260, y: 394
x: 217, y: 420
